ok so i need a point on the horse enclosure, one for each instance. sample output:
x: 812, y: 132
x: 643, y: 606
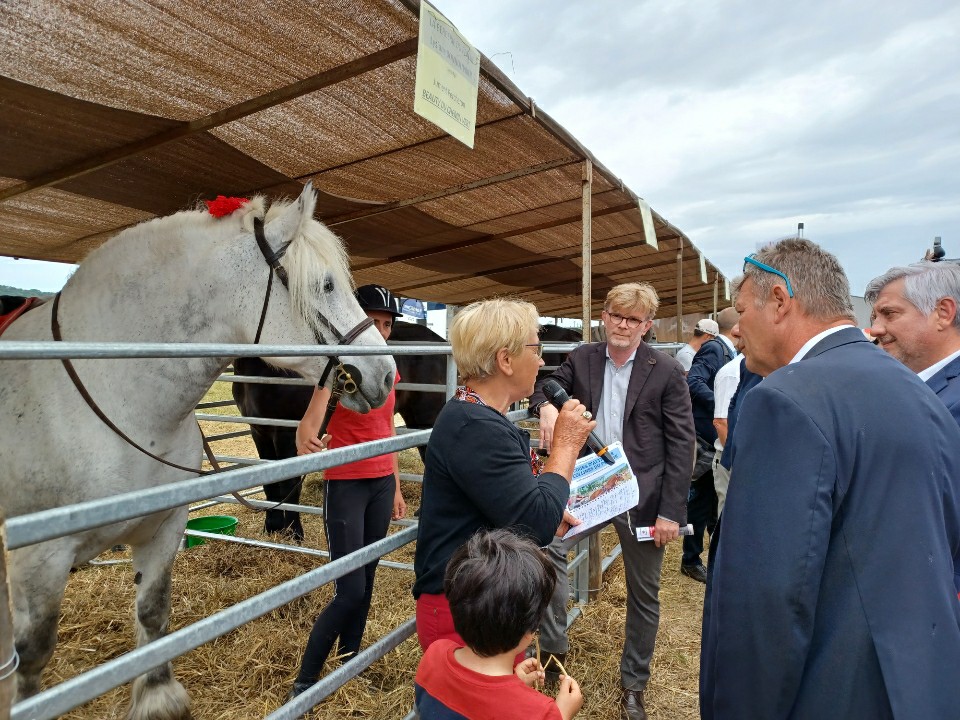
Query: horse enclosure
x: 26, y: 530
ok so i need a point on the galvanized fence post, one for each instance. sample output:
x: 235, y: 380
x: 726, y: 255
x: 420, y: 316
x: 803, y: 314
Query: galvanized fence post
x: 8, y: 653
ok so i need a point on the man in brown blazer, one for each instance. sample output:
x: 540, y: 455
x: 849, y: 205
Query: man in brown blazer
x: 638, y: 396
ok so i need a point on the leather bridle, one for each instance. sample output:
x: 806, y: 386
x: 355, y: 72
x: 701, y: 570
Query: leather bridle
x: 344, y: 374
x: 344, y: 379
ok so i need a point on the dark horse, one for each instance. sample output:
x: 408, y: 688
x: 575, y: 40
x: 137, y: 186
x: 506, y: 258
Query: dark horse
x: 289, y: 402
x: 556, y: 334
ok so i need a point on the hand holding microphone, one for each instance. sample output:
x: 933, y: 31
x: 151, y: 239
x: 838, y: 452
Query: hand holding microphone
x: 558, y: 397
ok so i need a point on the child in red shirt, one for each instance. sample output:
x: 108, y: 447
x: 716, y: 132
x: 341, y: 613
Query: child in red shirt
x: 498, y: 586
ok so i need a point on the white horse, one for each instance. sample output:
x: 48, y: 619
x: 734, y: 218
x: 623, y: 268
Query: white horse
x: 187, y: 277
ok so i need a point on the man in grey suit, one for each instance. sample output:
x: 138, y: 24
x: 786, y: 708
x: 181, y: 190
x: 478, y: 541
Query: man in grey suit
x: 916, y: 318
x: 830, y: 592
x: 638, y: 396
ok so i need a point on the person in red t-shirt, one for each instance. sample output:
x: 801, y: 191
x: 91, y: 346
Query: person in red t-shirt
x: 359, y: 500
x: 498, y: 585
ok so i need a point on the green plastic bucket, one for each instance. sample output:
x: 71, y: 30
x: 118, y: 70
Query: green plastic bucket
x: 221, y: 524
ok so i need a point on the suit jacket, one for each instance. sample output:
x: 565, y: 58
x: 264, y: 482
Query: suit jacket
x: 946, y: 384
x: 658, y: 435
x: 711, y: 356
x: 831, y: 591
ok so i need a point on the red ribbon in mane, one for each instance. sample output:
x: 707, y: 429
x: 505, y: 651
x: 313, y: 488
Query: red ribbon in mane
x: 225, y: 205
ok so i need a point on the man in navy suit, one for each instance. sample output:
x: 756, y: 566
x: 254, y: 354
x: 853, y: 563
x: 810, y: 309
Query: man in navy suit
x: 831, y: 592
x: 916, y: 318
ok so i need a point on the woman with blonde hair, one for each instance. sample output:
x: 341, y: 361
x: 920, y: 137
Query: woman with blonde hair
x: 480, y: 471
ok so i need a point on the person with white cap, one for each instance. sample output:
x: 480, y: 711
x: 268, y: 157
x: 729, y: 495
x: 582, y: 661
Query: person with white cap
x: 704, y: 330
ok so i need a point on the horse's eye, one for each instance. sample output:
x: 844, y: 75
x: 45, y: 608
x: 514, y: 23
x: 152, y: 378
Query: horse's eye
x: 328, y: 285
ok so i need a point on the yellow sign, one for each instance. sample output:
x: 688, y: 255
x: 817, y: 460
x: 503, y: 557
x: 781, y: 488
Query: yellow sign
x: 448, y: 76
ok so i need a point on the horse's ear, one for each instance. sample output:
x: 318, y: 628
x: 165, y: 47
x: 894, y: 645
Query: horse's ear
x: 285, y: 227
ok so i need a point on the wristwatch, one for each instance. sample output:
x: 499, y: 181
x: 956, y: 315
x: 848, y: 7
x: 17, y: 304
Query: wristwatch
x: 535, y: 410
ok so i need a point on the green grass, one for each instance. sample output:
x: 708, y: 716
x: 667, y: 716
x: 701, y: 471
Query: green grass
x: 220, y: 391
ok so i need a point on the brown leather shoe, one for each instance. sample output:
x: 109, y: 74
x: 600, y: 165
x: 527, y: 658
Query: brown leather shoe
x: 631, y: 705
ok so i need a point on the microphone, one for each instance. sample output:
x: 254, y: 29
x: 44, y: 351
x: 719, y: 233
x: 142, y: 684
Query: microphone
x: 557, y: 396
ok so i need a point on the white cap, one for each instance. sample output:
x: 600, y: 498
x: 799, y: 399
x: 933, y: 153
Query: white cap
x: 708, y: 326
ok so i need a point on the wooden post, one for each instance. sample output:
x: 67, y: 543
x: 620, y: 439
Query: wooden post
x: 7, y: 678
x: 452, y: 378
x: 595, y: 575
x: 680, y: 291
x: 716, y: 293
x: 587, y: 249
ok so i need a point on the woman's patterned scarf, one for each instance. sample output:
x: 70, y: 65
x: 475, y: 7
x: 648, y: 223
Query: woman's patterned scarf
x: 465, y: 394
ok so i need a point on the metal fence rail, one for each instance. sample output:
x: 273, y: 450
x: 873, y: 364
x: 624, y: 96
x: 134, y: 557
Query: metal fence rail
x: 70, y: 519
x: 46, y: 525
x: 329, y: 684
x: 83, y: 688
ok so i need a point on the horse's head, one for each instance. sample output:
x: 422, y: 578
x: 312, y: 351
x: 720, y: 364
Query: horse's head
x: 318, y: 304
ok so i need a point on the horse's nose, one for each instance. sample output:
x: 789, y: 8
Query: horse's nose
x: 388, y: 382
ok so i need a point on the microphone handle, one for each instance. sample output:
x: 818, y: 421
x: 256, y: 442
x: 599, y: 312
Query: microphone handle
x: 557, y: 396
x: 593, y: 442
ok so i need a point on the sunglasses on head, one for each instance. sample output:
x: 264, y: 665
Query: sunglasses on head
x: 751, y: 260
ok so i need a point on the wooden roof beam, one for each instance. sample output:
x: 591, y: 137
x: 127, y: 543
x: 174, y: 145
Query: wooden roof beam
x: 289, y: 92
x: 526, y: 264
x: 425, y: 252
x: 453, y: 190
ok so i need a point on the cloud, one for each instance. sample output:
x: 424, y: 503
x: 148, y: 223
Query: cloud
x: 738, y: 119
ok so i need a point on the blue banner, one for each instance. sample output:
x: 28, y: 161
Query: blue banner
x: 413, y: 308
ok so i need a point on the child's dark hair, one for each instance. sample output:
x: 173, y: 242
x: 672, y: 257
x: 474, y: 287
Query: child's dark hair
x: 498, y: 585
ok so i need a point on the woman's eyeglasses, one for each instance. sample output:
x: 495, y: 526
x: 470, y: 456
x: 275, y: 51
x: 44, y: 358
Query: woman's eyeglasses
x: 538, y: 348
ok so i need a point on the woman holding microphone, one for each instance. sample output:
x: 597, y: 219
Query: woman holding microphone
x: 480, y: 471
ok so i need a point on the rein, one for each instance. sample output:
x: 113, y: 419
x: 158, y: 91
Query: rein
x: 91, y: 403
x: 344, y: 381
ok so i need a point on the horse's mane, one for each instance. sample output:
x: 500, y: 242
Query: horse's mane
x: 314, y: 251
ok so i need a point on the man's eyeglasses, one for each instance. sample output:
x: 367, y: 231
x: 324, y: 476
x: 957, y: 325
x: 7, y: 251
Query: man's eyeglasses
x: 538, y: 348
x: 751, y: 260
x: 617, y: 318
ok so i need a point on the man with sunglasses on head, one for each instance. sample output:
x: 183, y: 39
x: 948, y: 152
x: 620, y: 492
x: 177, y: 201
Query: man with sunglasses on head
x: 638, y: 396
x: 830, y: 591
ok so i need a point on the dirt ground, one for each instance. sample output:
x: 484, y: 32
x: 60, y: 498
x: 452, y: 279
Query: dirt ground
x: 245, y: 674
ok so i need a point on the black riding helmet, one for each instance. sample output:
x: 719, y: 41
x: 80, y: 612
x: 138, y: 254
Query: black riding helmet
x: 378, y: 298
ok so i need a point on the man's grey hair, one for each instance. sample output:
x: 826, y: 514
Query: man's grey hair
x: 819, y: 283
x: 924, y: 284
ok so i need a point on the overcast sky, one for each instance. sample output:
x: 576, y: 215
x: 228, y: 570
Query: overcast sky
x: 737, y: 119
